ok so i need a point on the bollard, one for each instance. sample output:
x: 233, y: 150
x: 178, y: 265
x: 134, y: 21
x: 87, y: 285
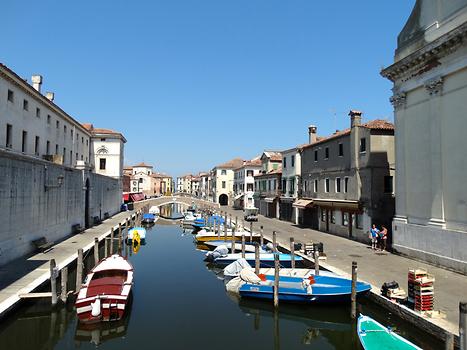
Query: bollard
x: 261, y: 238
x: 274, y: 244
x: 353, y: 296
x: 243, y: 246
x: 257, y: 262
x: 96, y: 251
x: 276, y: 280
x: 463, y: 325
x: 292, y: 252
x: 64, y: 278
x: 449, y: 342
x: 53, y: 281
x: 79, y: 270
x: 251, y: 231
x: 316, y: 259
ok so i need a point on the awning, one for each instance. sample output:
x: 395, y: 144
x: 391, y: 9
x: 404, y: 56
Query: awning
x: 338, y: 203
x: 126, y: 197
x: 239, y: 196
x: 269, y: 199
x: 135, y: 197
x: 303, y: 203
x: 287, y: 199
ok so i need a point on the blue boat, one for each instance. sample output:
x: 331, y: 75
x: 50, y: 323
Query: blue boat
x: 266, y: 259
x: 315, y: 289
x: 148, y: 219
x: 213, y: 220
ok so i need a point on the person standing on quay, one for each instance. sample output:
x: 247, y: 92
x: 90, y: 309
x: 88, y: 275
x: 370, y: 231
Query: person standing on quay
x: 383, y: 238
x: 374, y: 232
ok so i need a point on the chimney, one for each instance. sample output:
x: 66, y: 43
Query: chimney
x: 355, y: 118
x: 50, y: 96
x: 36, y: 82
x: 312, y: 133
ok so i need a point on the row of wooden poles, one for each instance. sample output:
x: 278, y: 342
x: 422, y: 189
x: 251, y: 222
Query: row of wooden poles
x: 109, y: 243
x: 353, y: 296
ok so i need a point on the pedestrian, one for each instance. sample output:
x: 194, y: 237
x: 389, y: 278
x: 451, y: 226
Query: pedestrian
x: 384, y: 237
x: 374, y: 232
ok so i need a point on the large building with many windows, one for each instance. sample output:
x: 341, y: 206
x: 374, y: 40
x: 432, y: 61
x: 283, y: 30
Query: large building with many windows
x: 244, y: 183
x: 222, y: 184
x: 347, y: 179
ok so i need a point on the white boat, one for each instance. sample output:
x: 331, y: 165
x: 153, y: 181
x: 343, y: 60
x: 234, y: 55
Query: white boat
x: 205, y: 236
x: 249, y: 247
x: 154, y: 210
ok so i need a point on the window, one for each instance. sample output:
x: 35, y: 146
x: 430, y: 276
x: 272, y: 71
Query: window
x: 56, y: 149
x: 323, y: 215
x: 223, y: 184
x: 346, y: 184
x: 102, y: 163
x: 269, y: 185
x: 326, y: 153
x: 76, y: 156
x: 36, y: 146
x: 275, y: 166
x: 284, y: 161
x: 362, y: 145
x: 284, y: 184
x: 9, y: 135
x: 103, y: 140
x: 292, y: 158
x: 333, y: 216
x: 64, y: 130
x: 388, y: 184
x: 315, y: 186
x: 345, y: 219
x: 341, y: 150
x: 57, y: 124
x: 140, y: 180
x: 359, y: 221
x: 71, y: 134
x: 48, y: 118
x: 249, y: 173
x: 326, y: 185
x: 316, y: 155
x: 338, y: 184
x: 11, y: 96
x: 71, y: 157
x: 249, y: 187
x: 38, y: 112
x: 223, y: 172
x: 87, y: 142
x: 24, y: 141
x: 47, y: 147
x: 82, y: 139
x: 26, y: 105
x: 64, y: 154
x: 305, y: 185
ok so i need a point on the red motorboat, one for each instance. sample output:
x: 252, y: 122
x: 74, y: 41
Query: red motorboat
x: 104, y: 295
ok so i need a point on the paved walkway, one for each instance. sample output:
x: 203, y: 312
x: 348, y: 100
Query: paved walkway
x: 23, y: 275
x: 374, y: 268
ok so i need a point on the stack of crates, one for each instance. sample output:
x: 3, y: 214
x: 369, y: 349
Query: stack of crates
x: 421, y: 290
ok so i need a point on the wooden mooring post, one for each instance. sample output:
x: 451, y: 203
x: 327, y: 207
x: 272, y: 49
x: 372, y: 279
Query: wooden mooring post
x: 316, y: 259
x: 230, y: 220
x: 236, y: 224
x: 276, y: 280
x: 64, y: 280
x: 79, y: 270
x: 292, y: 252
x: 449, y: 341
x: 53, y: 281
x: 463, y: 325
x: 274, y: 242
x: 96, y: 251
x: 261, y: 237
x: 243, y: 246
x: 251, y: 231
x: 111, y: 240
x: 225, y: 228
x: 106, y: 246
x: 353, y: 295
x: 257, y: 261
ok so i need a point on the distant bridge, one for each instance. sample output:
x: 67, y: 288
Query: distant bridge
x: 180, y: 199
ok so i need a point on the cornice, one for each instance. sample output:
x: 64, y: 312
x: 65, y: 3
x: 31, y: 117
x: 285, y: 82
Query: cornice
x: 426, y: 58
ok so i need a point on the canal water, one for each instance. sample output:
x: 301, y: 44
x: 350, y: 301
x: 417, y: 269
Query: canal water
x: 179, y: 303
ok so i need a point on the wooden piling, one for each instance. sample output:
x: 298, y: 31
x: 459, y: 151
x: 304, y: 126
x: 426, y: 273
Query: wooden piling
x: 64, y: 278
x: 316, y: 260
x: 257, y: 261
x: 112, y: 233
x: 106, y: 246
x: 251, y: 231
x: 96, y: 251
x: 225, y: 228
x: 292, y: 252
x: 53, y: 281
x: 353, y: 295
x: 276, y: 280
x: 261, y: 237
x: 236, y: 224
x: 274, y: 242
x: 449, y: 342
x: 243, y: 246
x: 463, y: 325
x: 79, y: 270
x: 230, y: 220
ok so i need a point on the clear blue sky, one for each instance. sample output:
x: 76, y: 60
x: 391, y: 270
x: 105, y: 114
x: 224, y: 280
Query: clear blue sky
x: 195, y: 83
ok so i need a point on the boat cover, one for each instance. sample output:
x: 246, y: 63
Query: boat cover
x: 220, y: 251
x: 234, y: 285
x: 249, y: 276
x: 236, y: 267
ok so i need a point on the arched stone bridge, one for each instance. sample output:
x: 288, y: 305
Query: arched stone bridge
x: 182, y: 199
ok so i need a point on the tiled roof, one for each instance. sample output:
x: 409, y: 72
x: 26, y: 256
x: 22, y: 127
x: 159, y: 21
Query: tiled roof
x: 377, y: 124
x: 142, y: 165
x: 232, y: 164
x: 274, y: 155
x: 272, y: 172
x: 89, y: 127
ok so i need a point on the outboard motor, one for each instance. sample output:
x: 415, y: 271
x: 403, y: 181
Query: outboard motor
x: 221, y: 250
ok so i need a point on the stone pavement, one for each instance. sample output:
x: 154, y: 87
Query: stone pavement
x: 374, y: 268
